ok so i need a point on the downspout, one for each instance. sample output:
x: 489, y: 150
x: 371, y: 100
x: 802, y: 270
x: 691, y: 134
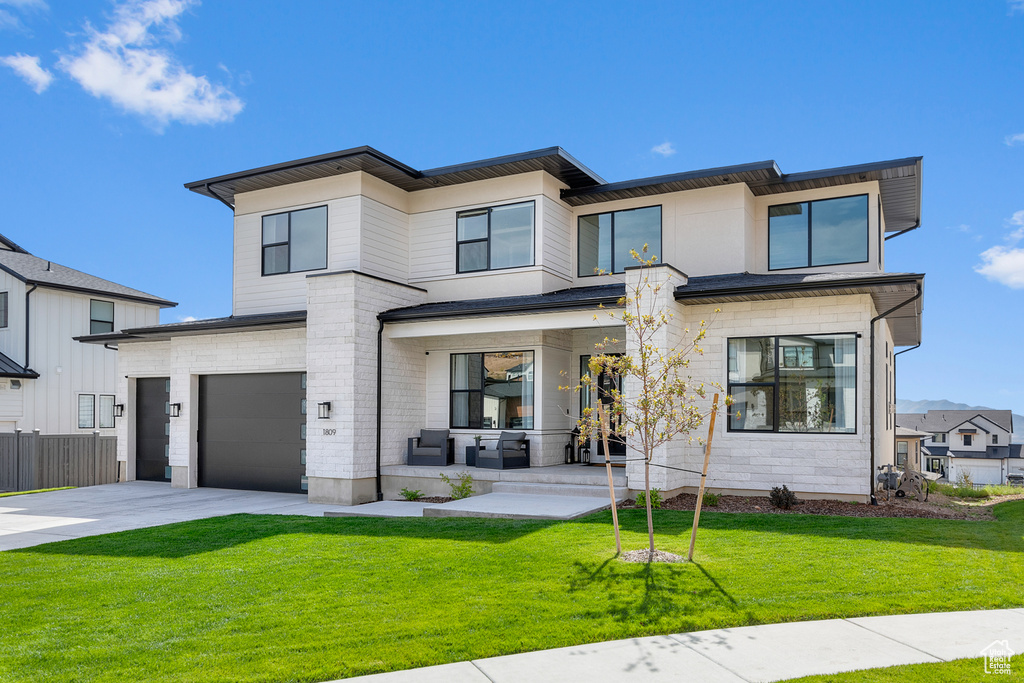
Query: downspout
x: 27, y: 325
x: 871, y: 472
x: 894, y: 376
x: 380, y: 392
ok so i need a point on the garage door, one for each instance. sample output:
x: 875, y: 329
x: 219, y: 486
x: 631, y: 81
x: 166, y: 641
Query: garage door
x: 152, y: 421
x: 983, y: 472
x: 252, y: 431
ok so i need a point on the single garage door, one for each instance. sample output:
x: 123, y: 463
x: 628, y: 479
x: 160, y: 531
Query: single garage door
x: 252, y: 431
x: 152, y: 433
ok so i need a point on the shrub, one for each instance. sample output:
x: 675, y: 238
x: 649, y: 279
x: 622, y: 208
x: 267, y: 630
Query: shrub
x: 782, y: 498
x: 641, y: 499
x: 462, y: 489
x: 411, y: 495
x: 711, y: 499
x: 964, y: 479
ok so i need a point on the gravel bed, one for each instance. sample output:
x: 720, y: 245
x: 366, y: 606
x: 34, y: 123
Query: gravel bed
x: 645, y: 556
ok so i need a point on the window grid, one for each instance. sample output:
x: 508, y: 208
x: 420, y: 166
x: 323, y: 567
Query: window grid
x: 810, y: 234
x: 101, y: 316
x: 488, y: 238
x: 776, y: 384
x: 612, y: 215
x: 287, y: 243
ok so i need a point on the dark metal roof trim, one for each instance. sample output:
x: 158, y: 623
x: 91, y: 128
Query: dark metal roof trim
x: 666, y: 183
x: 11, y: 245
x: 162, y: 303
x: 213, y: 325
x: 687, y: 291
x: 10, y: 369
x: 372, y: 277
x: 554, y: 160
x: 566, y: 299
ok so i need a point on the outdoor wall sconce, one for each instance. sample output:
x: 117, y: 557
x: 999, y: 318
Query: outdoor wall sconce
x: 118, y: 410
x: 175, y: 410
x: 323, y: 410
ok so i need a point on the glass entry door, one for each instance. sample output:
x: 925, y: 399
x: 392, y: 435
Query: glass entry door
x: 603, y: 387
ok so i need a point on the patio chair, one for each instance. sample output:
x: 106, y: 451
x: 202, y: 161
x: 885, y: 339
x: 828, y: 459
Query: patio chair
x: 431, y: 447
x: 511, y: 452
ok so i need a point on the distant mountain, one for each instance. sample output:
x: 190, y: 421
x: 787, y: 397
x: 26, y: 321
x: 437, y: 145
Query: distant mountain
x: 905, y: 406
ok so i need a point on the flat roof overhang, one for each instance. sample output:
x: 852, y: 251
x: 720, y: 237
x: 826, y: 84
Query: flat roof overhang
x: 553, y: 160
x: 899, y: 182
x: 886, y: 290
x: 246, y: 323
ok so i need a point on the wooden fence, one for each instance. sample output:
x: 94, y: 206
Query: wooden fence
x: 30, y: 460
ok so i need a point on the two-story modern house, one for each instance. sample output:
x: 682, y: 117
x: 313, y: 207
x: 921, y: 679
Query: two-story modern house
x: 372, y: 300
x: 971, y: 442
x: 47, y: 380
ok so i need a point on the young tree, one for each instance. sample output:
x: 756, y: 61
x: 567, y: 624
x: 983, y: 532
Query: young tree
x: 661, y: 399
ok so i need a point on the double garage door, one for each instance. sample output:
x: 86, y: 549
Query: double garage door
x: 252, y: 431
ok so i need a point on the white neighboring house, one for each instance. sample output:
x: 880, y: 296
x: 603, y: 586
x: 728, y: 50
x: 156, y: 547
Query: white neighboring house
x: 48, y: 381
x: 390, y: 299
x: 973, y: 441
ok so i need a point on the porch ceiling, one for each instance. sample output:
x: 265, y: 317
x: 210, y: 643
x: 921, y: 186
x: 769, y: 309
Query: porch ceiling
x: 887, y: 290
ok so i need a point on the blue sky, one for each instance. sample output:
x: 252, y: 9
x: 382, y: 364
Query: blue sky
x: 108, y: 107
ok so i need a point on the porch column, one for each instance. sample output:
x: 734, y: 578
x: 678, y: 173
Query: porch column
x: 670, y: 336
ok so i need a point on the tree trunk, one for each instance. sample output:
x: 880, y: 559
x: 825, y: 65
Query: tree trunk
x: 650, y: 518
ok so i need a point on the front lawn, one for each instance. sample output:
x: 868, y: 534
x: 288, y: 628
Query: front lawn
x: 957, y: 671
x: 268, y: 598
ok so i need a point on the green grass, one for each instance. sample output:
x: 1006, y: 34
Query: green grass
x: 955, y: 491
x: 23, y: 493
x: 956, y: 671
x: 268, y: 598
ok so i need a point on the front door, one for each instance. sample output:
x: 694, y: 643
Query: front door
x: 606, y: 383
x: 152, y: 428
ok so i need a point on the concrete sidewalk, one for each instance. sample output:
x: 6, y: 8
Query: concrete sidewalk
x: 751, y: 653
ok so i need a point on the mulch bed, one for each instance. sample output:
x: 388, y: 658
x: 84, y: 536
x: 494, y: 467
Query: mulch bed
x: 936, y: 507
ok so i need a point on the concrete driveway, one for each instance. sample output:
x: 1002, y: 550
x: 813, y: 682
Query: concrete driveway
x: 39, y: 518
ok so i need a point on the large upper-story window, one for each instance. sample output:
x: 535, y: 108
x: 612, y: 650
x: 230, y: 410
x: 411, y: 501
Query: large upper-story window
x: 101, y: 316
x: 494, y: 238
x: 492, y: 390
x: 605, y: 239
x: 826, y: 232
x: 295, y: 241
x: 793, y: 383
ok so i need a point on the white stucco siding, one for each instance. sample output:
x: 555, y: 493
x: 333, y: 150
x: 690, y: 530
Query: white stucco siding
x: 384, y: 248
x: 762, y: 204
x: 136, y: 360
x: 257, y: 293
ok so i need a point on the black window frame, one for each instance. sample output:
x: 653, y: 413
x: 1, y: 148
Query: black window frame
x: 488, y: 210
x: 483, y: 384
x: 288, y: 243
x: 810, y: 231
x: 92, y: 425
x: 99, y: 411
x: 93, y: 320
x: 4, y: 313
x: 613, y: 271
x: 775, y: 384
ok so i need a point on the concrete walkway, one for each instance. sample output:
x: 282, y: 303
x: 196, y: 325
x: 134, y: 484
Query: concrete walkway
x: 493, y: 505
x: 37, y: 518
x: 751, y: 653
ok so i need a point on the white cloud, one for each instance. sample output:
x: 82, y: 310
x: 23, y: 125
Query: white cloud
x: 1005, y: 264
x: 28, y: 68
x: 665, y: 149
x: 1012, y: 140
x: 1015, y: 6
x: 126, y: 65
x: 186, y: 318
x: 8, y: 19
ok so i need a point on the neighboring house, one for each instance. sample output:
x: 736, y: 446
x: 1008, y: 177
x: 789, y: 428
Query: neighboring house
x: 975, y: 442
x: 47, y: 381
x: 908, y: 447
x: 477, y: 284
